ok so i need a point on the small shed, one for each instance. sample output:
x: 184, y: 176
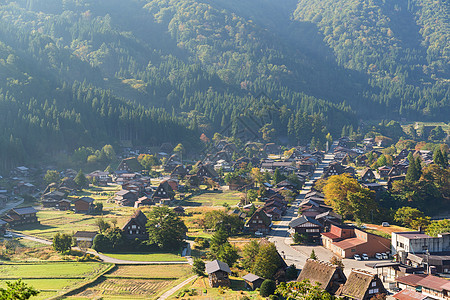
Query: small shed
x: 253, y: 281
x: 218, y: 273
x: 64, y: 204
x: 85, y: 237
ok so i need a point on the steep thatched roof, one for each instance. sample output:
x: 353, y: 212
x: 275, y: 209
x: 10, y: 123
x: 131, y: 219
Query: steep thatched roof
x: 357, y: 284
x: 322, y: 273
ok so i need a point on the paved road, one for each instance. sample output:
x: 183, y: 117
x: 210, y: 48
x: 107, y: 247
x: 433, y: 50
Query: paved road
x: 297, y: 255
x: 280, y: 235
x: 105, y: 258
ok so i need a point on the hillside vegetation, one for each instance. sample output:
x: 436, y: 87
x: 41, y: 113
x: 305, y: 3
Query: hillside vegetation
x: 85, y: 72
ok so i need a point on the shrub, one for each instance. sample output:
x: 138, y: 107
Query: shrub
x: 268, y: 288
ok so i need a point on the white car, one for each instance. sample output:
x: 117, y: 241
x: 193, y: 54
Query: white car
x: 385, y: 256
x: 378, y: 256
x: 8, y: 235
x: 365, y: 256
x: 385, y: 224
x: 357, y: 257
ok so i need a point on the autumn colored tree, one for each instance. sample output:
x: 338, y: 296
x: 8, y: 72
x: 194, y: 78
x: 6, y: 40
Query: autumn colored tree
x: 348, y: 198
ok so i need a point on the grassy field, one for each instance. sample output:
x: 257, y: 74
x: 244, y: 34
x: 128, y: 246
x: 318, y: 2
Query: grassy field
x: 202, y: 290
x: 136, y: 282
x: 146, y: 256
x: 230, y: 198
x: 50, y: 278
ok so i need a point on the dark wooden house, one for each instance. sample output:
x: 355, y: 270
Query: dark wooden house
x: 307, y: 226
x: 129, y: 165
x: 259, y: 222
x: 367, y: 175
x: 84, y: 205
x: 135, y: 228
x: 21, y: 216
x: 164, y: 191
x: 253, y: 281
x: 207, y: 171
x: 218, y: 273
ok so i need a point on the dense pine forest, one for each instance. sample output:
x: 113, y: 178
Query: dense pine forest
x: 90, y: 72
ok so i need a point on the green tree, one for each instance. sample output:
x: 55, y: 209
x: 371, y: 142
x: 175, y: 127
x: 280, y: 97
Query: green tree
x: 405, y: 215
x: 81, y: 180
x: 52, y: 176
x: 101, y: 243
x: 102, y: 224
x: 17, y: 290
x: 337, y: 261
x: 313, y: 255
x: 267, y: 261
x: 115, y: 238
x: 165, y: 228
x: 62, y: 242
x: 250, y: 253
x: 198, y: 267
x: 267, y: 288
x: 302, y: 290
x: 437, y: 227
x: 277, y: 176
x: 227, y: 253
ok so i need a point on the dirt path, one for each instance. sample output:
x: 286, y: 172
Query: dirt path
x: 176, y: 288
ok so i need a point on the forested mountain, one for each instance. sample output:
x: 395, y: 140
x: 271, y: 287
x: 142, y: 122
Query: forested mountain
x: 87, y: 72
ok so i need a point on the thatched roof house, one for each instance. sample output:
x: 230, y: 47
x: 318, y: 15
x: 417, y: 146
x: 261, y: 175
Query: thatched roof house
x: 361, y: 285
x: 329, y: 276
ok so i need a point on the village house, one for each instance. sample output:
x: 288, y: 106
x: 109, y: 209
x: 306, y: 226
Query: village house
x: 135, y: 228
x: 384, y: 171
x: 207, y: 171
x: 101, y: 178
x: 367, y: 175
x: 164, y: 191
x: 84, y: 239
x: 361, y: 285
x: 218, y: 273
x: 346, y: 241
x: 180, y: 171
x: 253, y: 281
x: 84, y: 205
x: 428, y: 285
x: 21, y: 216
x: 64, y: 204
x: 307, y: 226
x: 329, y: 276
x: 259, y: 222
x: 126, y: 197
x: 129, y: 165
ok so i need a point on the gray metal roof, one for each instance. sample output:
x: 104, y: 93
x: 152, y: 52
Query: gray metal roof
x: 217, y: 265
x: 25, y: 210
x: 251, y: 277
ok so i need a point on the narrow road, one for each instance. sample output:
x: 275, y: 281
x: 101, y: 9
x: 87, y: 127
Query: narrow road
x: 176, y: 288
x: 279, y: 234
x: 103, y: 257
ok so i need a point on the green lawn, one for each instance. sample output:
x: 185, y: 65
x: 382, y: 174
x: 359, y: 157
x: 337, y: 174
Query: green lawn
x: 214, y: 199
x: 147, y: 256
x: 51, y: 270
x: 51, y: 278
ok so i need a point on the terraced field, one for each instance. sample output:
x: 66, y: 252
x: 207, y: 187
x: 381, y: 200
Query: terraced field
x: 136, y: 282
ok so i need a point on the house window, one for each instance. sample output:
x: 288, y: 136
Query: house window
x: 133, y: 226
x: 374, y: 284
x: 254, y: 221
x: 131, y: 231
x: 260, y: 221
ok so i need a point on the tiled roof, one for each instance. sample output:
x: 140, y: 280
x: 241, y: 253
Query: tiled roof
x: 349, y: 243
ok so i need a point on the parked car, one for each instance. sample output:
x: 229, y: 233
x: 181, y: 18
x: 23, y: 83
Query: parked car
x: 385, y: 224
x: 357, y: 257
x: 385, y: 256
x: 378, y: 256
x: 365, y: 256
x: 8, y: 235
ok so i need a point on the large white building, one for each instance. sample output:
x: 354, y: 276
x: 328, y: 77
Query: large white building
x: 419, y: 242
